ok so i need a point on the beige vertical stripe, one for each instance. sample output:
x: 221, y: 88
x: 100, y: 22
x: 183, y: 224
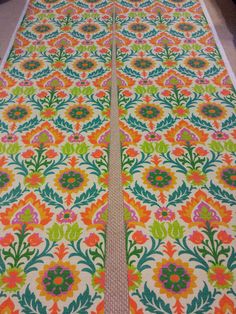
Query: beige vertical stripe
x: 116, y: 284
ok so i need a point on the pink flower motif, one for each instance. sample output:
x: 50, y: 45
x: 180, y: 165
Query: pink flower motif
x: 145, y: 82
x: 164, y: 214
x: 152, y: 137
x: 76, y: 138
x: 220, y: 136
x: 202, y: 81
x: 9, y: 138
x: 66, y: 216
x: 26, y: 83
x: 82, y: 83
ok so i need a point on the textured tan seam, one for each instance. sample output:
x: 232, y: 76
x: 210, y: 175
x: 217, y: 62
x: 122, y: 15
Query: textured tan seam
x: 116, y: 283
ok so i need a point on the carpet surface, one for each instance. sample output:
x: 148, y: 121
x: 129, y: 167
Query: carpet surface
x: 55, y: 102
x: 176, y: 114
x: 177, y: 123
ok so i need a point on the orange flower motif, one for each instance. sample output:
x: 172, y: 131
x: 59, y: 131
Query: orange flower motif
x: 196, y: 237
x: 196, y: 177
x: 34, y: 180
x: 184, y: 132
x: 6, y: 82
x: 63, y: 40
x: 101, y: 137
x: 95, y: 216
x: 56, y: 81
x: 51, y: 153
x: 173, y: 78
x: 128, y: 135
x: 139, y: 237
x: 8, y: 307
x: 226, y: 175
x: 45, y: 134
x: 131, y: 152
x: 136, y: 214
x: 165, y: 38
x: 6, y: 240
x: 202, y: 209
x: 134, y: 307
x: 28, y: 211
x: 224, y: 237
x: 174, y: 278
x: 92, y: 240
x: 226, y: 305
x: 34, y: 239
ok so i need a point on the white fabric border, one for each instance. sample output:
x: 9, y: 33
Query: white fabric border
x: 218, y: 43
x: 13, y: 37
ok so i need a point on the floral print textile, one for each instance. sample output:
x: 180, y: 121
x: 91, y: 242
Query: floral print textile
x: 54, y: 146
x: 177, y: 124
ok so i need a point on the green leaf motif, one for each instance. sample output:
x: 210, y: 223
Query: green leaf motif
x: 31, y: 305
x: 222, y: 195
x: 63, y: 125
x: 51, y: 197
x: 152, y: 303
x: 180, y: 195
x: 143, y: 195
x: 92, y: 125
x: 11, y: 197
x: 87, y: 197
x: 202, y: 302
x: 81, y: 305
x: 28, y: 125
x: 229, y: 123
x: 136, y: 124
x: 165, y: 123
x: 201, y: 123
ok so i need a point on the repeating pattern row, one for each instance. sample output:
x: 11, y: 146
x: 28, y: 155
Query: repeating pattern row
x: 177, y: 123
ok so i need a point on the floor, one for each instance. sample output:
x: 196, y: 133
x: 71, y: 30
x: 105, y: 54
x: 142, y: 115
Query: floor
x: 222, y: 12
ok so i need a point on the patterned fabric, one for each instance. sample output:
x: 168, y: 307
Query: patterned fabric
x: 177, y: 126
x: 177, y: 123
x: 54, y: 144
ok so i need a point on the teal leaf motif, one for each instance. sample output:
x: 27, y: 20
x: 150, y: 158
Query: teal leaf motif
x: 28, y: 125
x: 202, y: 302
x: 63, y: 125
x: 77, y: 35
x: 230, y: 123
x: 51, y: 197
x: 3, y: 127
x: 92, y: 125
x: 212, y: 71
x: 30, y: 35
x: 201, y: 123
x: 156, y: 72
x: 29, y: 303
x: 199, y: 33
x: 11, y: 197
x: 51, y: 35
x: 81, y: 305
x: 131, y: 72
x: 221, y: 195
x: 143, y: 195
x: 166, y: 123
x: 43, y: 73
x: 87, y: 197
x: 180, y: 195
x: 71, y: 74
x: 186, y: 72
x: 97, y: 73
x: 136, y: 124
x: 17, y: 74
x: 152, y: 303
